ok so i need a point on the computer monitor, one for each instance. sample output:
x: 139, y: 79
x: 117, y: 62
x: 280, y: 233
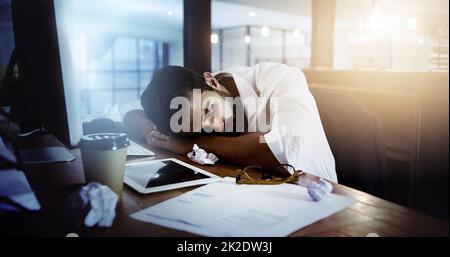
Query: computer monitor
x: 86, y: 60
x: 44, y: 69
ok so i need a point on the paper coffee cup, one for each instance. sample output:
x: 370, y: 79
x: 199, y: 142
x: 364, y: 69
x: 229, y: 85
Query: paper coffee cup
x: 104, y: 156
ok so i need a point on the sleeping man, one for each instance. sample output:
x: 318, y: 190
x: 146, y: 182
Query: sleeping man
x: 262, y: 115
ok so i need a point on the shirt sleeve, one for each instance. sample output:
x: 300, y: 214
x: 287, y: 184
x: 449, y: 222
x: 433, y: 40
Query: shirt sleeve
x: 293, y: 115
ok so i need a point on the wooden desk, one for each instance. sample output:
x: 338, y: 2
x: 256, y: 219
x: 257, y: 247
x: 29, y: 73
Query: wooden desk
x: 54, y: 182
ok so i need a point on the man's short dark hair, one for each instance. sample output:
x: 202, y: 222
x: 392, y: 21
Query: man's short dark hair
x: 166, y: 84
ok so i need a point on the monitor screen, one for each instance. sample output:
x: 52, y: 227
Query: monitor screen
x: 109, y: 50
x: 86, y: 59
x: 47, y: 91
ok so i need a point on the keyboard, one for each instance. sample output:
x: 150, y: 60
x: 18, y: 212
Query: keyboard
x: 135, y: 149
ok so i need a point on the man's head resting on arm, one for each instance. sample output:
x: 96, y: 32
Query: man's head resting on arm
x: 173, y: 82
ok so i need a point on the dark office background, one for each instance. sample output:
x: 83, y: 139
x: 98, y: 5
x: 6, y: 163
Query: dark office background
x: 6, y: 32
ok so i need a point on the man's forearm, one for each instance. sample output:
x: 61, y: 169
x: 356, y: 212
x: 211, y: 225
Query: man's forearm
x: 243, y: 150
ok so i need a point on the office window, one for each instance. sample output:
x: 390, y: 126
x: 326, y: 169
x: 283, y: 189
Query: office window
x: 391, y: 35
x: 122, y: 73
x: 116, y: 46
x: 250, y: 32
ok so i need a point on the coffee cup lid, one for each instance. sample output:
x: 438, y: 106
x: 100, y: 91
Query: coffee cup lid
x: 104, y: 141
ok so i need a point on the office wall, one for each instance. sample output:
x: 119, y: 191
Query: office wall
x: 413, y: 107
x: 250, y: 32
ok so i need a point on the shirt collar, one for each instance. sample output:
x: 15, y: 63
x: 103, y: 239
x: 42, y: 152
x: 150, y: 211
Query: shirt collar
x: 244, y: 88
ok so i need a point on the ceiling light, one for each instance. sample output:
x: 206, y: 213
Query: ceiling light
x: 247, y: 39
x: 265, y: 31
x: 214, y: 38
x: 412, y: 23
x: 251, y: 14
x: 421, y: 41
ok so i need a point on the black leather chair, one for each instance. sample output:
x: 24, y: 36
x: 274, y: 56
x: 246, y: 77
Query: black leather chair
x: 356, y: 139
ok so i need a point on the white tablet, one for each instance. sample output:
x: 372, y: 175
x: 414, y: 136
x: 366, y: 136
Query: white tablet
x: 165, y: 174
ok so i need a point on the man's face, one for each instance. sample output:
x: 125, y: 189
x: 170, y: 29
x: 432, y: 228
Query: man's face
x: 211, y: 109
x: 215, y: 111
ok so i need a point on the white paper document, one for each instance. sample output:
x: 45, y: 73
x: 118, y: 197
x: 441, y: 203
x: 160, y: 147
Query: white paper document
x: 228, y: 209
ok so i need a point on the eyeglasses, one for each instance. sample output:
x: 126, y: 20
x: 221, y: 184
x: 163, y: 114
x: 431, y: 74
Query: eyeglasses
x: 276, y: 175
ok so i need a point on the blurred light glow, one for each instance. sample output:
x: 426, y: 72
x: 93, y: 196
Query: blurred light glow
x: 360, y: 23
x: 170, y: 13
x: 296, y: 33
x: 412, y: 23
x: 390, y: 23
x: 251, y: 14
x: 421, y: 41
x: 247, y: 39
x: 265, y: 31
x: 214, y: 38
x: 375, y: 19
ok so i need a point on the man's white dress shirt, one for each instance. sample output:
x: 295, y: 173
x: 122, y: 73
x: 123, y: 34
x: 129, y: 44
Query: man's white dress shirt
x: 287, y: 112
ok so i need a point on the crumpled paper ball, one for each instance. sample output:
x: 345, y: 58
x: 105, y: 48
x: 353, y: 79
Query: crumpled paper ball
x: 94, y: 204
x: 319, y: 190
x: 200, y: 156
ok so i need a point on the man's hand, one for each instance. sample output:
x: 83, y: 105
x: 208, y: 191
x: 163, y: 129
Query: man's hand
x: 174, y: 144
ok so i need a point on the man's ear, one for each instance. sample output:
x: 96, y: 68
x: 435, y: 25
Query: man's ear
x: 211, y: 81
